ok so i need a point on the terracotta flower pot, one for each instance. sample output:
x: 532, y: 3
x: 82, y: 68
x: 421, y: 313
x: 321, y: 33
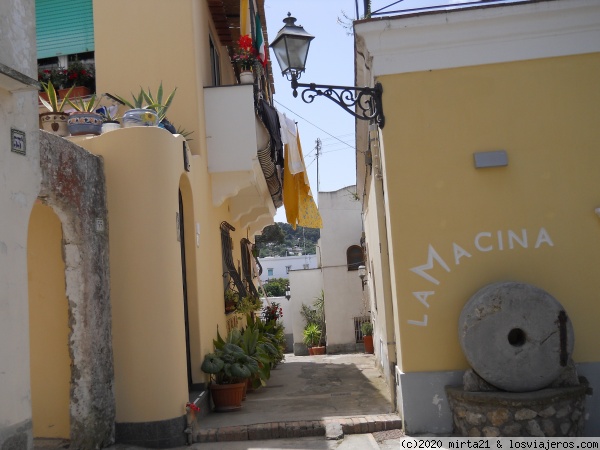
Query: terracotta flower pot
x: 55, y: 123
x: 227, y: 397
x: 368, y: 341
x: 318, y: 350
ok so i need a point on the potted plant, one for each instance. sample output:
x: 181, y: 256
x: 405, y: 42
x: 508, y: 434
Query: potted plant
x: 245, y: 57
x: 248, y: 304
x: 54, y: 121
x: 228, y: 367
x: 82, y: 76
x: 110, y: 120
x: 84, y: 120
x: 231, y: 300
x: 312, y: 339
x: 367, y: 331
x: 146, y: 109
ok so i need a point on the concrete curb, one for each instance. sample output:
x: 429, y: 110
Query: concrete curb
x: 304, y: 428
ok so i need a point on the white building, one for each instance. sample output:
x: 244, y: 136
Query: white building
x: 20, y: 178
x: 346, y: 303
x: 280, y: 266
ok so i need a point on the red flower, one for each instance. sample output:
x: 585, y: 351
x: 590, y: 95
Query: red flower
x: 192, y: 407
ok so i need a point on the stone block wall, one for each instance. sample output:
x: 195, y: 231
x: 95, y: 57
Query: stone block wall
x: 556, y: 412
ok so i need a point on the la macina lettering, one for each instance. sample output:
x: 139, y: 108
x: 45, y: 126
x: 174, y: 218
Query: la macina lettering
x: 483, y: 242
x: 469, y: 443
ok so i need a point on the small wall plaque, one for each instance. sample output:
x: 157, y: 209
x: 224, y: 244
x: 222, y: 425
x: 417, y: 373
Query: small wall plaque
x: 18, y: 144
x: 497, y: 158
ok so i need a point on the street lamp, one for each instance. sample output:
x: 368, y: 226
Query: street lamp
x: 362, y: 273
x: 288, y: 293
x: 291, y: 50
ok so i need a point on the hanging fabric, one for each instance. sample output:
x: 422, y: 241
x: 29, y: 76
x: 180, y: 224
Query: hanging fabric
x: 300, y: 206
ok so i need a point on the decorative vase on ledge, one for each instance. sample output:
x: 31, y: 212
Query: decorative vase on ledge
x: 140, y: 118
x: 83, y: 122
x: 55, y: 123
x: 246, y: 77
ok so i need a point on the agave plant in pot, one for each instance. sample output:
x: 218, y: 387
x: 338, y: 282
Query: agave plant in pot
x: 229, y: 368
x: 85, y: 119
x: 312, y: 339
x: 54, y: 121
x: 146, y: 109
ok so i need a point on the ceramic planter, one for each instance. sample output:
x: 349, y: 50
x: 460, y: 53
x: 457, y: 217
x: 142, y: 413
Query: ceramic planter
x: 80, y: 123
x: 140, y: 118
x: 246, y: 77
x: 227, y: 397
x: 110, y: 126
x: 55, y: 123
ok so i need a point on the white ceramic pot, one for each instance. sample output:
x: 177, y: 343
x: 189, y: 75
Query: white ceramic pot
x: 110, y: 126
x: 246, y: 77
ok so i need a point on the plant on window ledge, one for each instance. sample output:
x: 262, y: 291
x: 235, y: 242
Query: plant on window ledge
x: 245, y: 55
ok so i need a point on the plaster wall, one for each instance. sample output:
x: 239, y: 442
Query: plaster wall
x: 19, y: 186
x: 148, y: 60
x: 507, y: 78
x: 344, y: 297
x: 49, y: 328
x: 145, y: 261
x: 146, y: 213
x: 378, y: 287
x: 513, y: 222
x: 305, y: 286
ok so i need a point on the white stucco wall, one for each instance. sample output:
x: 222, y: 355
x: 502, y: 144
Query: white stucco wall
x: 278, y: 265
x: 19, y: 187
x: 344, y: 297
x: 305, y: 287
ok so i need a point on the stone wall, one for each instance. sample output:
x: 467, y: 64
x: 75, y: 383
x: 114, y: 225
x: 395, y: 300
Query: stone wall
x: 556, y: 412
x: 73, y: 185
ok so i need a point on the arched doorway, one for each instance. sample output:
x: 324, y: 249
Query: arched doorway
x: 69, y: 299
x: 48, y: 326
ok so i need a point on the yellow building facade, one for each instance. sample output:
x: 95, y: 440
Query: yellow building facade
x: 485, y: 171
x: 166, y: 205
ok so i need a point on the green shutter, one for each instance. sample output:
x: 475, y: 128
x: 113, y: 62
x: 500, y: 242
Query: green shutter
x: 64, y: 27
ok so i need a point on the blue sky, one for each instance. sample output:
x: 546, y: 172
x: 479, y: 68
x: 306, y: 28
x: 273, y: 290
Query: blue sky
x: 330, y: 61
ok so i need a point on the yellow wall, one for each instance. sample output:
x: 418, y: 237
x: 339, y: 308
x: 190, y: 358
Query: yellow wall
x: 544, y: 113
x: 142, y: 178
x: 144, y: 171
x: 48, y: 326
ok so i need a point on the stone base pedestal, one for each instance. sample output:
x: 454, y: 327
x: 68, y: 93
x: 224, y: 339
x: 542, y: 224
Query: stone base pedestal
x: 547, y: 412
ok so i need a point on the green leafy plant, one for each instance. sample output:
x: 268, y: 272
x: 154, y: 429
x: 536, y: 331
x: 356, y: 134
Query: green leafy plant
x: 316, y: 314
x: 248, y: 304
x: 156, y: 103
x: 107, y: 116
x: 138, y: 102
x: 229, y: 364
x: 82, y: 105
x: 367, y: 329
x: 312, y: 335
x: 52, y: 104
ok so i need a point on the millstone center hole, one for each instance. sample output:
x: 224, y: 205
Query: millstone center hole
x: 516, y: 337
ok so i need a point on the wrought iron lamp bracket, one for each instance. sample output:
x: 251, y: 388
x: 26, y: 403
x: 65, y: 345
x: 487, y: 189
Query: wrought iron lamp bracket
x: 362, y: 102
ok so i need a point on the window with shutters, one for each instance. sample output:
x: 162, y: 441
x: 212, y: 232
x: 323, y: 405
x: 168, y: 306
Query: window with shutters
x: 355, y: 257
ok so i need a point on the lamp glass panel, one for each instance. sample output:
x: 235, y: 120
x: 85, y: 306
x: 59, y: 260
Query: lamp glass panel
x: 297, y: 51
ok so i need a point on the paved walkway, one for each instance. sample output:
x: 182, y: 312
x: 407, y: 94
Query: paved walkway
x: 330, y: 395
x: 310, y: 402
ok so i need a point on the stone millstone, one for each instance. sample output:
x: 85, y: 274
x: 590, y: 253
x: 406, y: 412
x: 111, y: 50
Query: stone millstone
x: 511, y: 335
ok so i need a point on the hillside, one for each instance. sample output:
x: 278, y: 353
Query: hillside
x: 281, y: 239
